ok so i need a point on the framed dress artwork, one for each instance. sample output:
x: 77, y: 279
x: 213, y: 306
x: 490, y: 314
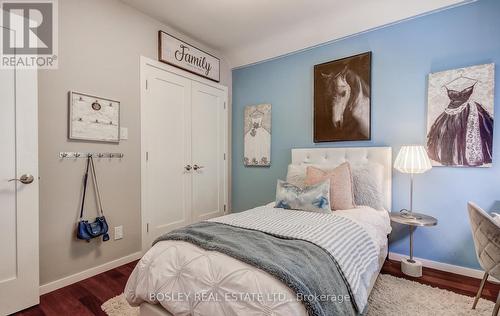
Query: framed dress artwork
x: 257, y: 142
x: 342, y: 99
x: 460, y: 117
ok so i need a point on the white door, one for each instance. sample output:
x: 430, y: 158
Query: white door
x: 19, y: 281
x: 166, y: 137
x: 209, y: 124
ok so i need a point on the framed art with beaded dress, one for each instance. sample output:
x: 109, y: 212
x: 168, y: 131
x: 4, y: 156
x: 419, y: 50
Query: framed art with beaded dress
x: 257, y: 139
x: 460, y: 117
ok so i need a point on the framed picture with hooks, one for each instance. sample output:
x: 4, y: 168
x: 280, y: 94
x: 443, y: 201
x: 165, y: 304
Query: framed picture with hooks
x: 93, y: 118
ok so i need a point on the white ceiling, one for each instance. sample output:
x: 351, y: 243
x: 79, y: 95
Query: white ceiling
x: 249, y: 31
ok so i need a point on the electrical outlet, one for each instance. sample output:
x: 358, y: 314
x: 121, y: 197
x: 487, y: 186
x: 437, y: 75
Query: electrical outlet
x: 118, y: 232
x: 123, y: 133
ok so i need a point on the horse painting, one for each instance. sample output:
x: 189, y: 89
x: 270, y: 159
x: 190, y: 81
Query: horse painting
x: 342, y: 99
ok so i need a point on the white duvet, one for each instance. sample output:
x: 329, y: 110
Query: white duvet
x: 187, y: 280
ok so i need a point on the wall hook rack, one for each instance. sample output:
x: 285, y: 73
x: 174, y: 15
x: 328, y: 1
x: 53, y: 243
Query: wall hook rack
x: 76, y: 155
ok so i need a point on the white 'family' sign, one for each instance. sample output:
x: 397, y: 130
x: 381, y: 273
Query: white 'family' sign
x: 175, y: 52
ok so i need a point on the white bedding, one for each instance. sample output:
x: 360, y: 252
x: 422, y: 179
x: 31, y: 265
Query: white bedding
x: 376, y: 223
x: 198, y: 282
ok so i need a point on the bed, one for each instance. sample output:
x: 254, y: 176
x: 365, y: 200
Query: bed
x: 182, y: 276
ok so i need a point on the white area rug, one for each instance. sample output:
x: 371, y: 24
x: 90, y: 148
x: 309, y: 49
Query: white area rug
x: 396, y: 296
x: 118, y: 306
x: 391, y: 296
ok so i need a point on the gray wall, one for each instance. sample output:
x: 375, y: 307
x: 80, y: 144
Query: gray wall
x: 100, y: 42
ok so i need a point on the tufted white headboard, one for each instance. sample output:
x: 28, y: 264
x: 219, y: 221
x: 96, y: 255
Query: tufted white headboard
x: 336, y: 156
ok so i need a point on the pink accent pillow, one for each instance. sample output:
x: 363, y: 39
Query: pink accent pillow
x: 341, y: 189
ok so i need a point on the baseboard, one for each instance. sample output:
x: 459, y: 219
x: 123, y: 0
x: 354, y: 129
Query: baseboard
x: 57, y: 284
x: 473, y: 273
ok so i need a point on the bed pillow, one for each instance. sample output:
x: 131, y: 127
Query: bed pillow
x: 296, y: 175
x: 368, y: 184
x: 315, y: 198
x: 341, y: 188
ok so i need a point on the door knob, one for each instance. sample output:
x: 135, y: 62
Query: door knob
x: 25, y: 178
x: 196, y: 167
x: 188, y: 167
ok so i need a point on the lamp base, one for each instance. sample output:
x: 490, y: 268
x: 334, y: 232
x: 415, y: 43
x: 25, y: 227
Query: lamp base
x: 411, y: 268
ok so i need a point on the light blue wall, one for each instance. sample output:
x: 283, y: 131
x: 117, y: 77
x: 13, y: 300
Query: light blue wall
x: 403, y: 55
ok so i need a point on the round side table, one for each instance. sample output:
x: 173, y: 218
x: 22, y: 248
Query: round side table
x: 410, y: 266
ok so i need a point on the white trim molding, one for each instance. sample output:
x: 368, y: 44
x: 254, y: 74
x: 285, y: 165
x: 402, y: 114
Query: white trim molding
x: 77, y: 277
x: 146, y: 61
x: 473, y: 273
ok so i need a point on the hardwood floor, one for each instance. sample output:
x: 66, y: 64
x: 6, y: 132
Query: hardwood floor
x: 445, y: 280
x: 86, y: 297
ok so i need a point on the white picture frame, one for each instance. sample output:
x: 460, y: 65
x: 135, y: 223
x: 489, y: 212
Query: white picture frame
x: 93, y: 118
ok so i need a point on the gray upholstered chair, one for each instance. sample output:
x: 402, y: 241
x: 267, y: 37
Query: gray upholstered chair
x: 486, y: 235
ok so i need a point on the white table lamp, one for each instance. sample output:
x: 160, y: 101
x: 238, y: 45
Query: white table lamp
x: 412, y: 159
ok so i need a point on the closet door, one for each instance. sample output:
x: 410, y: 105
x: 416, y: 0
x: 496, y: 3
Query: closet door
x: 167, y: 152
x: 209, y: 124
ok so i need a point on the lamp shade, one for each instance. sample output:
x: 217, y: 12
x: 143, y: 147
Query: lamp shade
x: 412, y: 159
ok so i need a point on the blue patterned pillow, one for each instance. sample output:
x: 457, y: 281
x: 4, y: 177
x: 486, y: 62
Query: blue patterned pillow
x: 315, y: 198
